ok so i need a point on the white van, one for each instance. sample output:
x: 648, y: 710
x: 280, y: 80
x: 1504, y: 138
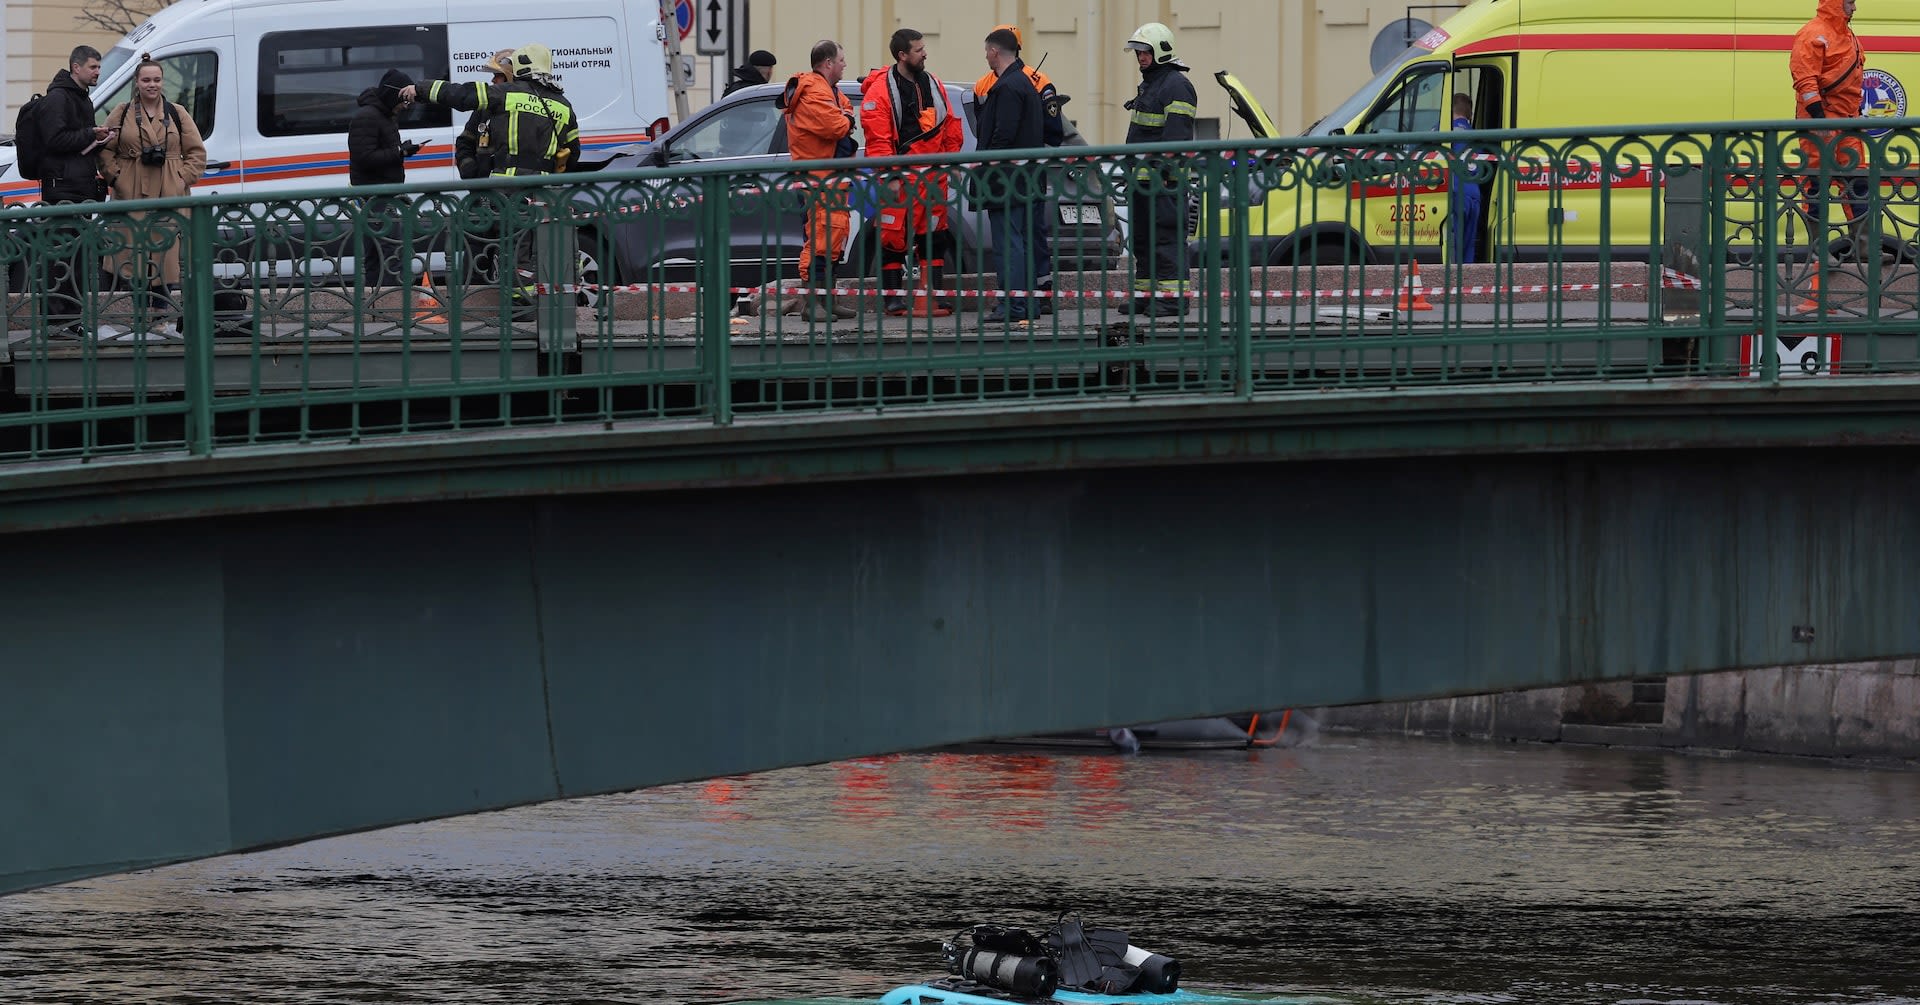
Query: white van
x: 273, y: 83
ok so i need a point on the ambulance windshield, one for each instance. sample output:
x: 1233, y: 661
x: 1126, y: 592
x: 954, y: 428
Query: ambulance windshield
x: 1337, y: 120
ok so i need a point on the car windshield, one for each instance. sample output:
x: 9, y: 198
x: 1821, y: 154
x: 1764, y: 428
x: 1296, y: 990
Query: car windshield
x: 1363, y: 98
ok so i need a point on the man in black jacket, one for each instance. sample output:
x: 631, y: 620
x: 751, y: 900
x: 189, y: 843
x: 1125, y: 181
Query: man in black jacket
x: 1011, y: 119
x: 757, y: 70
x: 377, y: 156
x: 69, y: 172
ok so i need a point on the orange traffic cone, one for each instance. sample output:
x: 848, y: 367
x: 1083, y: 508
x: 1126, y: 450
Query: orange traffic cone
x: 924, y: 306
x: 1810, y: 303
x: 1413, y: 296
x: 426, y: 293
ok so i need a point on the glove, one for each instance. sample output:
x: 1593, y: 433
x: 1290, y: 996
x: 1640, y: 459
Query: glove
x: 1816, y: 110
x: 408, y: 148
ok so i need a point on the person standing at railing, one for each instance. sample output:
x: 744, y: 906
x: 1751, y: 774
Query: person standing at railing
x: 473, y: 158
x: 1162, y: 112
x: 1011, y: 119
x: 156, y: 153
x: 1463, y: 191
x: 905, y: 110
x: 69, y: 173
x: 532, y: 129
x: 1828, y: 66
x: 1053, y: 132
x: 376, y: 155
x: 820, y: 125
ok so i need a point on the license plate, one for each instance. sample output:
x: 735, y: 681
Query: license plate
x: 1078, y: 213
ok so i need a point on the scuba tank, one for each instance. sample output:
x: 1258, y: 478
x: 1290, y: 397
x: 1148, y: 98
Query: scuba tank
x: 1010, y: 959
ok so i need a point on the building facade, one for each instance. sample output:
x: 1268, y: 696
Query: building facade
x: 1299, y: 57
x: 38, y: 36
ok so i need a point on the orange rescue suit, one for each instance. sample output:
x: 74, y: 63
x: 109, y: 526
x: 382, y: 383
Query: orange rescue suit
x: 920, y: 205
x: 818, y: 118
x: 1827, y: 64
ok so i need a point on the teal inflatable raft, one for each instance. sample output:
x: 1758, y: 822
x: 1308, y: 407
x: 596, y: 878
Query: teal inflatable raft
x: 955, y: 992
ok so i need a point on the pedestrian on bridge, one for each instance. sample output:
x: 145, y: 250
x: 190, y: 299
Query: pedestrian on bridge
x: 1828, y: 67
x: 155, y: 153
x: 1053, y: 133
x: 376, y: 155
x: 905, y: 110
x: 531, y: 129
x: 820, y: 124
x: 1161, y: 111
x: 1011, y: 119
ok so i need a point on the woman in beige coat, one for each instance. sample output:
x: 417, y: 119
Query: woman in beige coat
x: 156, y: 153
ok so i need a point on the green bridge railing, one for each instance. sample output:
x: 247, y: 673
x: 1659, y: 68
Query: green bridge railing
x: 1701, y: 251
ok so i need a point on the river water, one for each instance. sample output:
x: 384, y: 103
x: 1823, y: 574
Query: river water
x: 1345, y: 870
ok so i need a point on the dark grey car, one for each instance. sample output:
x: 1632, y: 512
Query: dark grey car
x: 745, y: 131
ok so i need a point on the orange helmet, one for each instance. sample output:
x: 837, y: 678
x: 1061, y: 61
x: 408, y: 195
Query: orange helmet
x: 1017, y: 40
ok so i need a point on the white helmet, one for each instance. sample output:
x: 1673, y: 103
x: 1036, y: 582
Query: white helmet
x: 1153, y: 37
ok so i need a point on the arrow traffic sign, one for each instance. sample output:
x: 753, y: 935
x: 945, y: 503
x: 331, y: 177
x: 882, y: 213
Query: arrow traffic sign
x: 714, y: 29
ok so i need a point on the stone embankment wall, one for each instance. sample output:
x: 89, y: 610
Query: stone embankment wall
x: 1869, y: 711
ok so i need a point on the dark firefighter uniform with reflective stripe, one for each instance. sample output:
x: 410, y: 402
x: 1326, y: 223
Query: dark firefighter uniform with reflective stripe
x: 530, y: 129
x: 1163, y: 110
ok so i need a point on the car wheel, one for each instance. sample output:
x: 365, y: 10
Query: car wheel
x: 590, y: 272
x: 1319, y: 251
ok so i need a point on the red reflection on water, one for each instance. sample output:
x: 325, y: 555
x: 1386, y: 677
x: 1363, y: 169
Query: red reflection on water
x: 1100, y: 783
x: 865, y: 786
x: 1013, y: 789
x: 720, y: 799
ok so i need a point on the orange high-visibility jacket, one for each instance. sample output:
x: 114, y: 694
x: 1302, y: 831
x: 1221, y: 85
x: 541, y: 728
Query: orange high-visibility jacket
x: 818, y: 116
x: 938, y: 130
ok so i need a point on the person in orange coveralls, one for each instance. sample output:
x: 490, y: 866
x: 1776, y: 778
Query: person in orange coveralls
x: 1828, y: 65
x: 905, y: 110
x: 819, y: 127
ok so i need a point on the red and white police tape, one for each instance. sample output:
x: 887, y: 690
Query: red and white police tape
x: 1670, y: 280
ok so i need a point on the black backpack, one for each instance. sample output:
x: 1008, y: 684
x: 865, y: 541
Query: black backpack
x: 28, y: 145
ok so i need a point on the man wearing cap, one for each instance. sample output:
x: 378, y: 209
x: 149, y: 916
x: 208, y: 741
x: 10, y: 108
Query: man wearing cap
x: 1162, y: 111
x: 905, y: 110
x: 757, y: 70
x: 531, y: 127
x: 376, y: 155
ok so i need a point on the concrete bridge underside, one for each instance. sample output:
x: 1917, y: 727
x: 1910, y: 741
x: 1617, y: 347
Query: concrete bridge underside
x: 224, y: 682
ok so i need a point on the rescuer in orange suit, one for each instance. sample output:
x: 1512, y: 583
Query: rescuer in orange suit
x: 820, y: 125
x: 905, y: 110
x: 1828, y: 64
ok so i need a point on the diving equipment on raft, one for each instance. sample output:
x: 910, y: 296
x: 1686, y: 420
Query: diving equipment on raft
x: 1070, y: 957
x: 1010, y: 959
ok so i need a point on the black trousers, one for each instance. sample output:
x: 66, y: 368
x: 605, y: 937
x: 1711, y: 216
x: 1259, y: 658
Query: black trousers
x: 1157, y: 234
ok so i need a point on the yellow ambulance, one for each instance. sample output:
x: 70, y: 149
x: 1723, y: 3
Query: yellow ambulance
x: 1553, y: 64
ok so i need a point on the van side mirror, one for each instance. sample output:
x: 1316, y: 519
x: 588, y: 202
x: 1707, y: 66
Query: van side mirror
x: 657, y: 155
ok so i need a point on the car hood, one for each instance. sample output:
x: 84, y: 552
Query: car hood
x: 1245, y: 105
